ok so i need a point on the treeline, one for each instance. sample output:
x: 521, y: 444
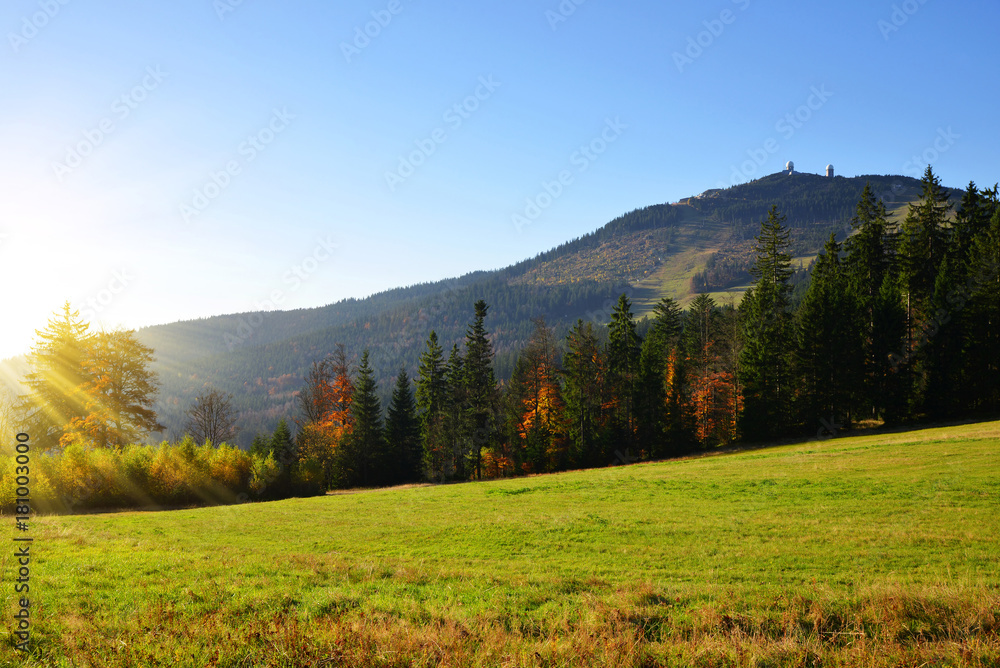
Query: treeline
x: 897, y: 323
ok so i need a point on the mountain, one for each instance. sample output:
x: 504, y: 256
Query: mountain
x: 700, y: 244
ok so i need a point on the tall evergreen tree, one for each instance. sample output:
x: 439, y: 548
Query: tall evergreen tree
x: 286, y: 455
x: 923, y: 245
x: 657, y: 405
x: 829, y: 352
x: 982, y: 294
x: 432, y: 400
x: 584, y: 373
x: 623, y: 370
x: 481, y: 387
x: 767, y: 334
x: 972, y: 219
x: 450, y: 461
x: 940, y: 366
x: 402, y: 430
x: 362, y: 456
x: 869, y: 263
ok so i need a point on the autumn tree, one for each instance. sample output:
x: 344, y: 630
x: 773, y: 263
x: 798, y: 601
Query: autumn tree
x: 709, y: 383
x: 56, y: 379
x: 539, y: 405
x: 118, y: 394
x: 212, y: 418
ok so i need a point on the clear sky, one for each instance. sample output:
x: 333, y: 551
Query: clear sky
x: 166, y: 161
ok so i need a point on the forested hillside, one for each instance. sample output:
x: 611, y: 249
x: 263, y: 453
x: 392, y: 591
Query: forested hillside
x: 262, y: 357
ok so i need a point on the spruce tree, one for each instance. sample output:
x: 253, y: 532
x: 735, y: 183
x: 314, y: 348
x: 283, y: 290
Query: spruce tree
x: 923, y: 245
x: 363, y: 459
x: 452, y: 459
x: 656, y: 358
x: 402, y: 430
x: 584, y: 374
x: 829, y: 353
x: 767, y: 333
x: 623, y: 369
x: 981, y: 296
x: 286, y: 456
x: 481, y: 387
x: 869, y: 261
x: 432, y: 399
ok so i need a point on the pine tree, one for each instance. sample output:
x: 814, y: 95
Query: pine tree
x: 55, y: 383
x: 402, y: 429
x: 767, y: 334
x: 481, y: 387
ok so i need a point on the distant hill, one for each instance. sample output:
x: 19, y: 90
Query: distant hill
x: 699, y: 244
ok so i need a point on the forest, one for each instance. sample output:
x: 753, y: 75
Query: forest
x: 899, y: 322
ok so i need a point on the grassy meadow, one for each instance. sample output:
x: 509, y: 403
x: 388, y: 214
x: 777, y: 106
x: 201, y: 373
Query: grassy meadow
x: 875, y: 550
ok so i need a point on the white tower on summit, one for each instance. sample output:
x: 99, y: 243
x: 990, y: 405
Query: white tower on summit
x: 790, y: 167
x: 829, y: 171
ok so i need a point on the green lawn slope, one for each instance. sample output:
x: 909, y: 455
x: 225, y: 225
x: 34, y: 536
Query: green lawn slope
x: 875, y: 550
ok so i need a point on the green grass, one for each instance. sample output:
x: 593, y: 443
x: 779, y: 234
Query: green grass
x: 871, y: 550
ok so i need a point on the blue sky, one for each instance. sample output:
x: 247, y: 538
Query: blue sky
x: 167, y: 161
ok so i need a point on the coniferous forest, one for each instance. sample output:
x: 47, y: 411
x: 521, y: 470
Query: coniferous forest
x: 900, y: 322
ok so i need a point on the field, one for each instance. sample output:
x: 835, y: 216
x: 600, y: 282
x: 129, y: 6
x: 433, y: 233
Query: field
x: 877, y: 550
